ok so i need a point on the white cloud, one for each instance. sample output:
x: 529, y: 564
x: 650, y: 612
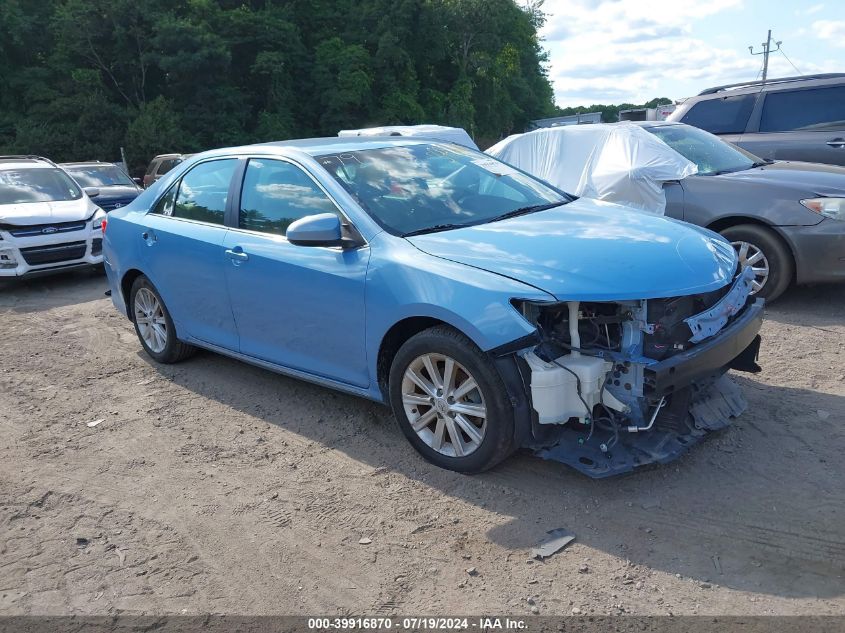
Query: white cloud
x: 616, y: 51
x: 622, y: 50
x: 810, y: 10
x: 831, y: 30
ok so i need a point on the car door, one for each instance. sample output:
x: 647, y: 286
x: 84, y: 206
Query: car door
x: 802, y: 125
x: 183, y: 252
x: 297, y: 306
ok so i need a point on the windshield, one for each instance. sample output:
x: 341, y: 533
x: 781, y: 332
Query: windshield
x: 100, y: 176
x: 711, y: 154
x: 36, y: 185
x: 432, y: 187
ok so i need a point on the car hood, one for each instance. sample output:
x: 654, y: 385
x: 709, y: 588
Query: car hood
x: 807, y: 179
x: 47, y: 212
x: 118, y: 193
x: 592, y: 251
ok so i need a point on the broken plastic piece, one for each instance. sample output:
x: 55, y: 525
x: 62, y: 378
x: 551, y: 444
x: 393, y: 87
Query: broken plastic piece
x: 559, y: 538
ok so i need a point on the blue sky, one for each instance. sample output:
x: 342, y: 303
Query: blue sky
x: 614, y: 51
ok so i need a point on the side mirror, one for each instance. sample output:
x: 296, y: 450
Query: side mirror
x: 138, y: 181
x: 323, y: 229
x: 91, y: 192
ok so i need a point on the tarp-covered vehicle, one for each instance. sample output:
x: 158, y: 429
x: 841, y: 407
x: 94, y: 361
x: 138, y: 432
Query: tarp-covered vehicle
x: 786, y: 220
x: 617, y: 163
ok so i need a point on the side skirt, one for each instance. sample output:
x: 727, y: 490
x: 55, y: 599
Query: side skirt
x: 287, y: 371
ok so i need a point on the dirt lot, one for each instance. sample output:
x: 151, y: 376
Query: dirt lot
x: 213, y: 486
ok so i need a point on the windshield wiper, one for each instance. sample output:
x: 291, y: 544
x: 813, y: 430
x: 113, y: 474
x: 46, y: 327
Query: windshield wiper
x: 525, y: 210
x: 733, y: 170
x: 434, y: 229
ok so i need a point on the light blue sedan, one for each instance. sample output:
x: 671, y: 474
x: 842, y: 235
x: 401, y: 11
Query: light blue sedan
x: 490, y: 310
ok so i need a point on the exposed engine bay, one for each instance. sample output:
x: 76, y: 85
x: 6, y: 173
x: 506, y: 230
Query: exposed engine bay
x: 615, y: 385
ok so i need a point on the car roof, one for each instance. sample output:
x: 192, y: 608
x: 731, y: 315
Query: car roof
x: 90, y: 163
x: 331, y: 144
x: 25, y: 162
x: 319, y: 146
x: 804, y: 81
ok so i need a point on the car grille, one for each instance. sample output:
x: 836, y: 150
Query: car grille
x: 44, y: 229
x: 37, y: 255
x: 111, y: 205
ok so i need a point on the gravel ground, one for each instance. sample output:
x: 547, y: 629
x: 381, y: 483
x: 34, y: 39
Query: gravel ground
x: 213, y: 486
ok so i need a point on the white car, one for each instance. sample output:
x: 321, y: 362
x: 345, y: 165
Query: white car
x: 47, y: 222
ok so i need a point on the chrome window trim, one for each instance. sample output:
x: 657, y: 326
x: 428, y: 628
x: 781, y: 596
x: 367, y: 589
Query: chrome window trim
x: 344, y: 217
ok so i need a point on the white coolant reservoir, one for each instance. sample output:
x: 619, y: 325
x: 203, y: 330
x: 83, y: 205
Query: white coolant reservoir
x: 554, y: 390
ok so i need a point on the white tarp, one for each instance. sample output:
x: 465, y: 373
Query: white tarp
x: 618, y: 162
x: 439, y: 132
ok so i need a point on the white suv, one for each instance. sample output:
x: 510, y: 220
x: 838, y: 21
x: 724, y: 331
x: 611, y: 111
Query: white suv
x: 47, y: 222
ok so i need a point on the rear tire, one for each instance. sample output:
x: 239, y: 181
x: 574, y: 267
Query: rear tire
x: 153, y: 324
x: 460, y: 418
x: 775, y: 257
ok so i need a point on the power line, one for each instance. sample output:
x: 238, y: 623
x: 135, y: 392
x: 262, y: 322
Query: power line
x: 790, y: 62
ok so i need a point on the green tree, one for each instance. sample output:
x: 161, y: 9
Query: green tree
x: 156, y: 129
x: 79, y: 79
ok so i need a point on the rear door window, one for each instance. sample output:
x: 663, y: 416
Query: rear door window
x: 202, y: 193
x: 804, y: 110
x: 275, y: 194
x: 725, y: 115
x: 166, y: 165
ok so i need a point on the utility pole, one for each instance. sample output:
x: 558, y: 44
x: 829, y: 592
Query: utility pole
x: 767, y: 46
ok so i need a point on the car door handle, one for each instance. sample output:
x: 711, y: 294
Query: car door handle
x: 237, y: 254
x: 836, y: 142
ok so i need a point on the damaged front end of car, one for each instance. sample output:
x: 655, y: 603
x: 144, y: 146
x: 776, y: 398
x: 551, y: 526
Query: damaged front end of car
x: 611, y: 386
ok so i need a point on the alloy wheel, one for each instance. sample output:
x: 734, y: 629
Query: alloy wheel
x: 149, y: 316
x: 753, y: 256
x: 444, y: 405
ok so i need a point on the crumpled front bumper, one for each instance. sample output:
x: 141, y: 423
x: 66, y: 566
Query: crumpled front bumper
x: 686, y: 422
x: 735, y: 347
x: 699, y: 397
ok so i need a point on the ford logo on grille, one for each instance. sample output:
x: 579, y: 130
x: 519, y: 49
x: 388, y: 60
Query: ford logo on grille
x: 117, y: 205
x: 49, y: 229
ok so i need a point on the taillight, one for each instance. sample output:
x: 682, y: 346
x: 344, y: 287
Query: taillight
x: 103, y: 225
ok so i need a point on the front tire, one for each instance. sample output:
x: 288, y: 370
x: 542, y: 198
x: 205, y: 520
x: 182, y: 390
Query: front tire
x: 761, y: 248
x: 450, y: 402
x: 153, y: 324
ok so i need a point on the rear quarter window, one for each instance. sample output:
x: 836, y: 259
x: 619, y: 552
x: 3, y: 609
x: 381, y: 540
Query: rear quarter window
x: 724, y: 115
x: 804, y: 110
x: 166, y: 165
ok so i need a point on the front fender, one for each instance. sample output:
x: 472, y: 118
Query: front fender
x: 404, y: 282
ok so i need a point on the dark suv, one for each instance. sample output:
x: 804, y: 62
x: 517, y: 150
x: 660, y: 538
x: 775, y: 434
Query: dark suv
x: 794, y: 118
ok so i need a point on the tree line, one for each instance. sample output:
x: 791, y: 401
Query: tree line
x: 81, y: 78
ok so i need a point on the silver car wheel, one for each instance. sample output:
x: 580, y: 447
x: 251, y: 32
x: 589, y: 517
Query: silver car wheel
x: 149, y: 316
x: 750, y: 255
x: 444, y: 405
